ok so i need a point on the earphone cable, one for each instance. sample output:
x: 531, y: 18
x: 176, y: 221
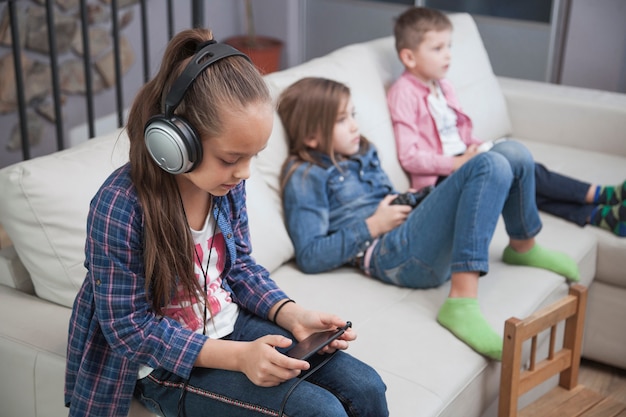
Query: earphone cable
x: 205, y: 273
x: 295, y: 384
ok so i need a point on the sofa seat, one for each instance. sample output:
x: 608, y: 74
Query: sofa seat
x: 428, y: 371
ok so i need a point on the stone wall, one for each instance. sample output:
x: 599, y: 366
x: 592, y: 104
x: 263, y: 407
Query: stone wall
x: 35, y: 61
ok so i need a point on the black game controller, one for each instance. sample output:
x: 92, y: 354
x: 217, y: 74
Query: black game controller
x: 412, y: 198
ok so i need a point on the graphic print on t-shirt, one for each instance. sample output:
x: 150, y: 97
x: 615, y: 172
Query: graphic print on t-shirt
x: 190, y: 313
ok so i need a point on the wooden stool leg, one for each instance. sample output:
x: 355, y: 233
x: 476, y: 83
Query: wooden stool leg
x: 573, y: 337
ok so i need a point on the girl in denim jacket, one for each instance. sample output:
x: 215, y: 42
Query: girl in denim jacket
x: 337, y: 202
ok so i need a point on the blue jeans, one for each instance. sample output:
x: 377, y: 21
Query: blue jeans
x: 562, y: 196
x: 344, y: 386
x: 450, y: 231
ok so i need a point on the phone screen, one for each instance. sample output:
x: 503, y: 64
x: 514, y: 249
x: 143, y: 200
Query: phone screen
x: 314, y: 343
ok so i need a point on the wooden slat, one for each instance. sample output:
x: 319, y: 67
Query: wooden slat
x: 547, y: 316
x: 510, y: 373
x: 573, y: 337
x: 577, y: 402
x: 608, y: 407
x: 544, y: 370
x: 561, y: 402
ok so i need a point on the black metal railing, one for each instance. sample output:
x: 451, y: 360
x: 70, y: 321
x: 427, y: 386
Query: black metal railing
x: 197, y: 19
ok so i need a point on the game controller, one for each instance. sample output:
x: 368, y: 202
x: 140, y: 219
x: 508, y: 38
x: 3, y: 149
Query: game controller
x: 412, y: 198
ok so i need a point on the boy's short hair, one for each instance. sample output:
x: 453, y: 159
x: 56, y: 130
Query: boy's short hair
x: 413, y: 23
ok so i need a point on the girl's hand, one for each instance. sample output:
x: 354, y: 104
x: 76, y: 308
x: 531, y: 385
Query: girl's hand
x: 302, y: 323
x: 264, y: 365
x: 307, y: 322
x: 387, y: 217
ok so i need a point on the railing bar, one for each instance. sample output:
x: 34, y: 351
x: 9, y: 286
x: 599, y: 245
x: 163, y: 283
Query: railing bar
x: 197, y: 13
x: 84, y: 22
x: 170, y: 18
x: 118, y: 71
x: 56, y: 94
x: 144, y: 39
x: 19, y: 80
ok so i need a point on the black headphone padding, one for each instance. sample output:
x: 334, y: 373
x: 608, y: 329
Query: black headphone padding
x: 173, y: 143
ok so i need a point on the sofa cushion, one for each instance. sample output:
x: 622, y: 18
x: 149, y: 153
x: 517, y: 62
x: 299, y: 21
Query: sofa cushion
x: 44, y: 211
x: 477, y: 87
x: 271, y: 245
x: 600, y: 168
x: 357, y: 65
x: 12, y: 271
x: 46, y: 201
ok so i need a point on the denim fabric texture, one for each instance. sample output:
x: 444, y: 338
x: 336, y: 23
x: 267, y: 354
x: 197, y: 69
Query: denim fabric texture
x: 326, y: 207
x: 450, y: 231
x: 562, y: 196
x: 344, y: 386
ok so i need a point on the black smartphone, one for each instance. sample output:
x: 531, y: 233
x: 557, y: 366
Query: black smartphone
x: 316, y: 342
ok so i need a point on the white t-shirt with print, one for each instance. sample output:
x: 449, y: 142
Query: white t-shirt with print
x: 221, y: 313
x: 445, y: 120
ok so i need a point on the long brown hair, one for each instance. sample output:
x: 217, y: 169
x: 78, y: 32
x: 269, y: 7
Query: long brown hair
x: 308, y: 107
x: 229, y: 84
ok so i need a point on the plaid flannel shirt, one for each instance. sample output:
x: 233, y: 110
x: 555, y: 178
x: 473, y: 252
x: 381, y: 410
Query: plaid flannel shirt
x: 113, y: 329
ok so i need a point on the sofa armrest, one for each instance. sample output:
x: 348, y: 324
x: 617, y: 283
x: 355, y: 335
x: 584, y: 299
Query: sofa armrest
x: 5, y: 241
x: 12, y: 272
x: 570, y: 116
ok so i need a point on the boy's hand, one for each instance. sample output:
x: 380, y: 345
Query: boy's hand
x: 387, y: 216
x: 470, y: 152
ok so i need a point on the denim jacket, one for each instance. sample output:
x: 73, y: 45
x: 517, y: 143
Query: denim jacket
x: 326, y: 208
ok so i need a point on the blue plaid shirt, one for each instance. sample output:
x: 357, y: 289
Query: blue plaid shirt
x: 113, y: 330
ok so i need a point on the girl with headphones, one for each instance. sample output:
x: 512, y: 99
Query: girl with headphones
x: 174, y: 310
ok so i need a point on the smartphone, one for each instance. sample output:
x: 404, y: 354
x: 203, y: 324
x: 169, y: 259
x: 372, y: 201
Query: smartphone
x: 316, y: 342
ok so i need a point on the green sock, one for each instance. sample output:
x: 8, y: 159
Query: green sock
x: 612, y: 218
x: 462, y: 316
x: 541, y: 257
x: 610, y: 195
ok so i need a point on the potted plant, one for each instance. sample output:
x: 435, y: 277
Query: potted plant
x: 264, y: 51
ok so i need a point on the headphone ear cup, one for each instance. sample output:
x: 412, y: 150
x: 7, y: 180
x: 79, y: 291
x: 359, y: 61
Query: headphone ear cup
x: 173, y: 144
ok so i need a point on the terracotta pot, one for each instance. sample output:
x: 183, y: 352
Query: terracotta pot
x: 265, y: 53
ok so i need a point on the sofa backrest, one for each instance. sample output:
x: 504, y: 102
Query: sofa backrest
x: 369, y: 68
x: 45, y: 200
x: 44, y: 209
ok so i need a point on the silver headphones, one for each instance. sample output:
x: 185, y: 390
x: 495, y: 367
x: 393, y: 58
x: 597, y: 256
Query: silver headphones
x: 173, y: 142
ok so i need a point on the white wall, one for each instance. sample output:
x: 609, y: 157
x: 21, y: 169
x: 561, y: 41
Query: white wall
x: 516, y: 48
x: 595, y: 49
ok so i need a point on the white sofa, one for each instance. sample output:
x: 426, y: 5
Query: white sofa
x: 43, y: 208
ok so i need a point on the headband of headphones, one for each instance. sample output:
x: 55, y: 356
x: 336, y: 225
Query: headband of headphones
x: 207, y: 54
